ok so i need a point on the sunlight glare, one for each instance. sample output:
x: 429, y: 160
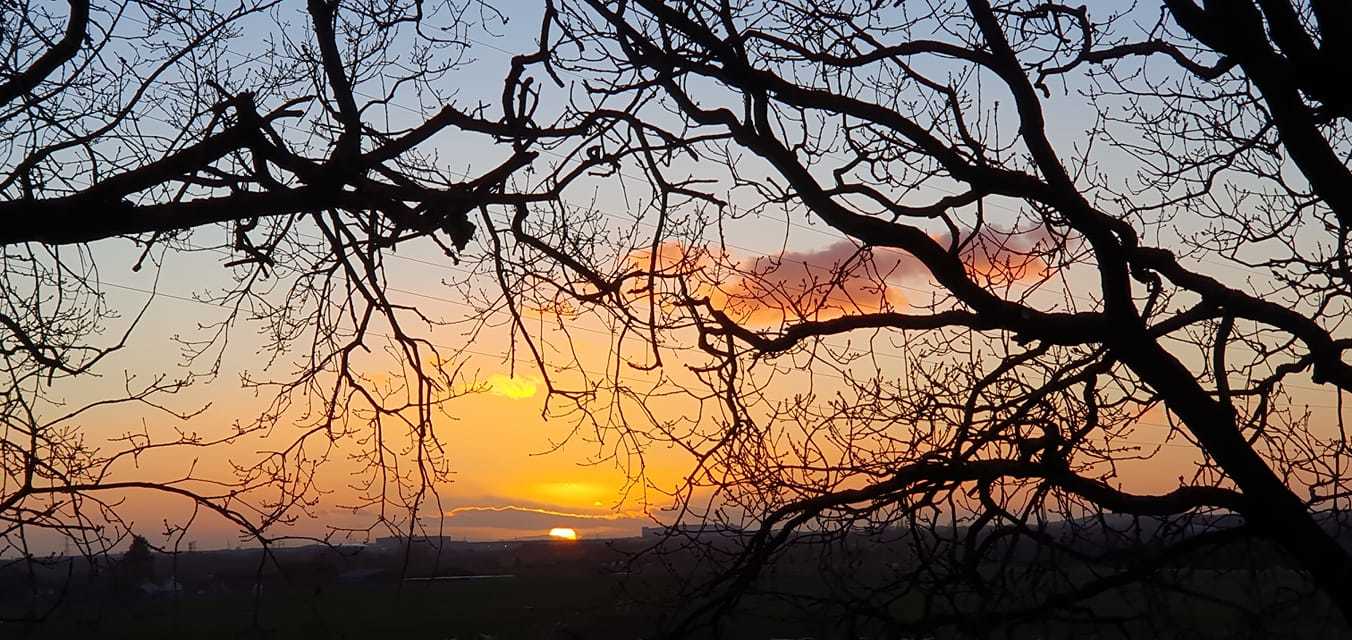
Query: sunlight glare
x: 511, y: 387
x: 563, y: 533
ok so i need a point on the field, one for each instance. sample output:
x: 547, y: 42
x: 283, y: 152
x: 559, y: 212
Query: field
x: 572, y: 591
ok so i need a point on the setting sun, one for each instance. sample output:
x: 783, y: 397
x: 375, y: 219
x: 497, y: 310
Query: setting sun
x: 563, y: 533
x: 511, y: 386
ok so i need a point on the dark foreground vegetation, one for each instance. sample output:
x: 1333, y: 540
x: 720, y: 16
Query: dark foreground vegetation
x: 632, y: 588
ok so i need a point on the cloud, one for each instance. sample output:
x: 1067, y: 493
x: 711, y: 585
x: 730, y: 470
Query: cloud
x: 820, y: 284
x: 997, y: 257
x: 511, y: 520
x: 521, y: 510
x: 838, y: 279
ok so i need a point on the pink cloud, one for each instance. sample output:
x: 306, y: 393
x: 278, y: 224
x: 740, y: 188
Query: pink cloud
x: 840, y: 278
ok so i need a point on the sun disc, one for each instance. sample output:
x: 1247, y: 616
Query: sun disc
x: 563, y: 533
x: 511, y: 387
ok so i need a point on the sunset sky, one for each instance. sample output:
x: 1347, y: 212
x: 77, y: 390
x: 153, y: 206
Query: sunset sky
x: 521, y: 468
x: 510, y: 481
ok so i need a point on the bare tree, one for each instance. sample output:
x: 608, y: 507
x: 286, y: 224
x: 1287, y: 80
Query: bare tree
x: 295, y: 144
x: 1059, y: 240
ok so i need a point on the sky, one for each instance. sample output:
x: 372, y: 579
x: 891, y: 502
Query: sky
x: 520, y: 468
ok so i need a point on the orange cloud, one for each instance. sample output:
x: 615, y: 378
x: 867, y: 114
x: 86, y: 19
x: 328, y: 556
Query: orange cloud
x: 510, y: 521
x: 822, y: 284
x: 995, y: 257
x: 522, y: 509
x: 838, y: 279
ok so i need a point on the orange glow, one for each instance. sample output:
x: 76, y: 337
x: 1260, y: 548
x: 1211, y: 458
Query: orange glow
x: 572, y: 494
x: 500, y: 432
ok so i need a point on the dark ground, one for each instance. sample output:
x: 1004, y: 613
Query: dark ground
x: 586, y: 589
